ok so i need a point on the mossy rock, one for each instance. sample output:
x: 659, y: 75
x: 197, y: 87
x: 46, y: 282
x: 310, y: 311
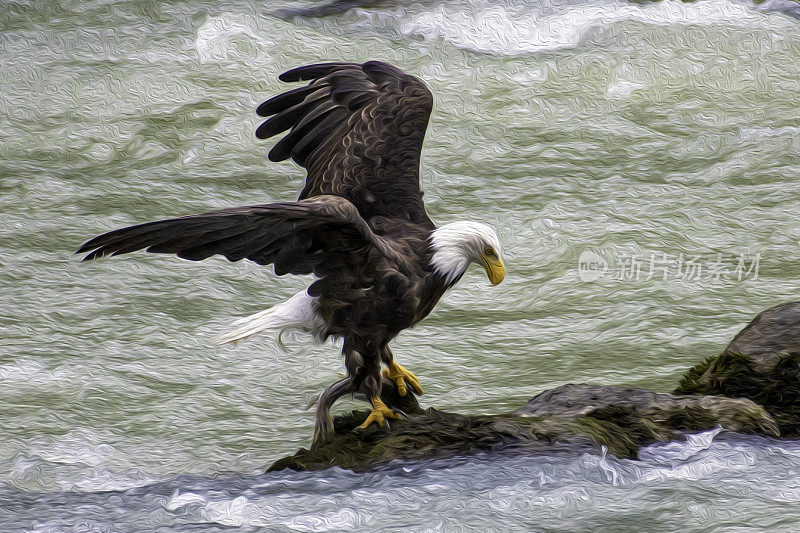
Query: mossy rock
x: 572, y: 418
x: 624, y: 419
x: 428, y: 435
x: 762, y: 363
x: 423, y: 434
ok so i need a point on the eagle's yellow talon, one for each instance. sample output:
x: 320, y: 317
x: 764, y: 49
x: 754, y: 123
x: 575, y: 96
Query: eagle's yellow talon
x: 379, y: 414
x: 401, y: 377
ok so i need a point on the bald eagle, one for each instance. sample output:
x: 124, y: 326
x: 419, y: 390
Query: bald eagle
x: 359, y: 226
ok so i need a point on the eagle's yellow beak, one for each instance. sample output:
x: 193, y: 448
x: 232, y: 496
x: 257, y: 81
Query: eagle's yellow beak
x: 495, y: 269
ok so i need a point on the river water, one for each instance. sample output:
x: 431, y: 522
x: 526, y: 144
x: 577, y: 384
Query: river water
x: 640, y: 162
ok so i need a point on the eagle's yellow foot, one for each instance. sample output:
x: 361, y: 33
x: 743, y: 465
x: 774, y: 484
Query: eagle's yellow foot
x: 379, y: 413
x: 401, y: 377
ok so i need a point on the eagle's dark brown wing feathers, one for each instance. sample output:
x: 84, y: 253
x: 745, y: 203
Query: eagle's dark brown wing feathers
x: 310, y: 134
x: 286, y: 100
x: 289, y: 116
x: 358, y: 131
x: 311, y: 72
x: 296, y: 236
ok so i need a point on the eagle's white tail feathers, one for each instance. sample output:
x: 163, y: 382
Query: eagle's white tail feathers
x: 297, y: 313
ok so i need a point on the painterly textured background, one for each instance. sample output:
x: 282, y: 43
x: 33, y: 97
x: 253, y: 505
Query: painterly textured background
x: 668, y: 130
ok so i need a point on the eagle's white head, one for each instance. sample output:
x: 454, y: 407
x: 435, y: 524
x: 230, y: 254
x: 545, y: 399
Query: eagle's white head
x: 458, y: 244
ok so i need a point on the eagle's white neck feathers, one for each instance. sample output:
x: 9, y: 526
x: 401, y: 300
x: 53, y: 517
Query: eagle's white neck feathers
x: 458, y: 244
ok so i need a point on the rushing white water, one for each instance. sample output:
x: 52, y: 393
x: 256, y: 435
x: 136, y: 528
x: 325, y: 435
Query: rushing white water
x: 631, y: 131
x: 704, y: 484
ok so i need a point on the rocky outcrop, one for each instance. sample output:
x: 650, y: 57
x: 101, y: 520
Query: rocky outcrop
x: 624, y: 419
x: 762, y: 363
x: 574, y: 418
x: 428, y: 435
x: 752, y: 387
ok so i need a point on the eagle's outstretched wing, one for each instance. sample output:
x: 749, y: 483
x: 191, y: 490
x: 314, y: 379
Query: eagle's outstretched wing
x: 358, y: 131
x: 314, y: 235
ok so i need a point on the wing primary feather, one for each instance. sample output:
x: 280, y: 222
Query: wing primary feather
x: 343, y: 95
x: 310, y: 72
x: 379, y: 71
x: 111, y: 236
x: 286, y: 100
x: 247, y: 246
x: 352, y: 76
x: 313, y: 117
x: 316, y: 137
x: 286, y: 147
x: 224, y: 244
x: 137, y: 237
x: 288, y: 117
x: 194, y: 240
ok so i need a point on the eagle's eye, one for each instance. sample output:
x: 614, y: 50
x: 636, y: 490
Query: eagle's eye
x: 489, y: 252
